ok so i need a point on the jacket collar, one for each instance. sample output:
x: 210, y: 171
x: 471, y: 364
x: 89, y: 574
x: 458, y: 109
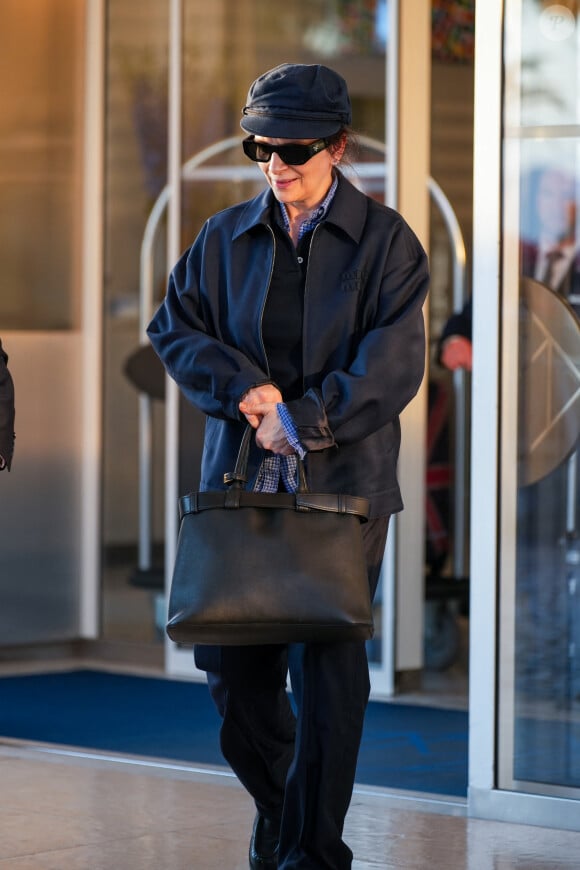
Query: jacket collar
x: 348, y: 210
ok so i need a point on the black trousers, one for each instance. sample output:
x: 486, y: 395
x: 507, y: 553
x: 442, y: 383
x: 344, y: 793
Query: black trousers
x: 299, y: 766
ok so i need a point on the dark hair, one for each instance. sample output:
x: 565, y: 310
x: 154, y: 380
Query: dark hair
x: 352, y: 148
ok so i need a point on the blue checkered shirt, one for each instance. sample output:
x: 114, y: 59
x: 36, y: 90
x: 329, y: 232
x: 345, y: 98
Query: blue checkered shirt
x: 315, y: 217
x: 276, y: 468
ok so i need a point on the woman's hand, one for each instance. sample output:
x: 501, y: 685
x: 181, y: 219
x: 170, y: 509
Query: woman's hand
x: 264, y: 394
x: 270, y: 433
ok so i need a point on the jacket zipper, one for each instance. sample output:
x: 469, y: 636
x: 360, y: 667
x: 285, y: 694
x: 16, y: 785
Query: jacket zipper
x: 304, y: 319
x: 261, y: 321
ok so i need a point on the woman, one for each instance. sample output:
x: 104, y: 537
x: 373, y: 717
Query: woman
x: 299, y: 312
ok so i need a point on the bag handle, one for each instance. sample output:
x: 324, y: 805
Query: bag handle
x: 238, y: 478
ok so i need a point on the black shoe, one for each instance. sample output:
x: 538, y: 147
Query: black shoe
x: 264, y: 844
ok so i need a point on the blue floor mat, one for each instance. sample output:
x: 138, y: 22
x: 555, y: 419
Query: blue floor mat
x: 404, y: 746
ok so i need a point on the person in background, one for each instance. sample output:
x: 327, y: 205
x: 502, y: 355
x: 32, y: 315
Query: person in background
x: 549, y: 249
x: 299, y: 312
x: 549, y: 252
x: 455, y: 347
x: 7, y: 412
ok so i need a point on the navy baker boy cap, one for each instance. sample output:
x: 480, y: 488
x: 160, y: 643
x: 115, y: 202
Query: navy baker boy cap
x: 297, y: 101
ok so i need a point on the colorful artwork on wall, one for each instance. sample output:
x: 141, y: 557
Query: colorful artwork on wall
x: 453, y: 30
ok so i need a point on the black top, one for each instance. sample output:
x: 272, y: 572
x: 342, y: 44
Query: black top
x: 284, y: 311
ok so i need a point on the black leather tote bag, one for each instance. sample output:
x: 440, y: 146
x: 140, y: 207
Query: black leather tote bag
x: 265, y: 568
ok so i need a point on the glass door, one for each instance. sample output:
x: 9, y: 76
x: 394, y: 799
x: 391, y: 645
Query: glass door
x: 539, y: 654
x: 219, y: 50
x: 48, y: 502
x: 136, y: 58
x: 204, y: 59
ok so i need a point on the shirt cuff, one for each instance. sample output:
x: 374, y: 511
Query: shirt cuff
x: 290, y: 429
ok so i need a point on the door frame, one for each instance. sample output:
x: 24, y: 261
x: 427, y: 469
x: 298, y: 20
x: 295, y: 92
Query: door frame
x: 92, y: 318
x: 492, y: 530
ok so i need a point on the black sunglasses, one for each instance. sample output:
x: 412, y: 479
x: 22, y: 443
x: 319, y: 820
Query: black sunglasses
x: 292, y: 153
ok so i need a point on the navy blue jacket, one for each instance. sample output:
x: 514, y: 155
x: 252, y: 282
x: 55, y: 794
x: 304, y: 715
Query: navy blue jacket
x: 363, y: 338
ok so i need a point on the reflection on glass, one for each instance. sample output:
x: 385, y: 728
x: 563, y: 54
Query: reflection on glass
x: 542, y: 89
x: 40, y: 114
x: 549, y: 246
x: 136, y: 172
x: 547, y: 628
x: 549, y: 62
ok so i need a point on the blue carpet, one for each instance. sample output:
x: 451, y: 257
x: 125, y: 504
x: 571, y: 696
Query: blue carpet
x: 404, y: 746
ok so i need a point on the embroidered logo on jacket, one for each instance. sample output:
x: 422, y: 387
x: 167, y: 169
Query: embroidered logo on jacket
x: 351, y: 282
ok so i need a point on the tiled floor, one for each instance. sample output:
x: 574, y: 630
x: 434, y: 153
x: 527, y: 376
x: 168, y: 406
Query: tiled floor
x: 61, y: 812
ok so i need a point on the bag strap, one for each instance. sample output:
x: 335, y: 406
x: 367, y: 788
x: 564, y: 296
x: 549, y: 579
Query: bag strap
x: 196, y: 502
x: 338, y: 503
x: 238, y: 478
x: 302, y: 500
